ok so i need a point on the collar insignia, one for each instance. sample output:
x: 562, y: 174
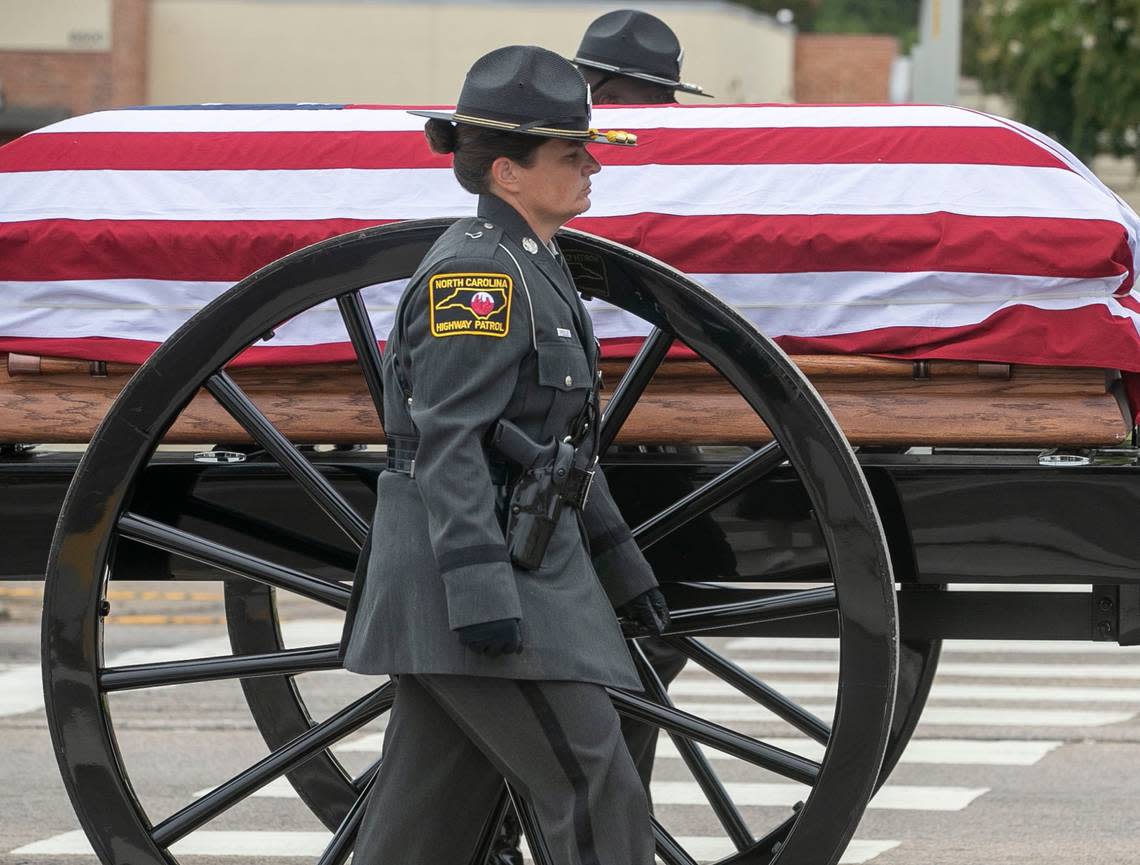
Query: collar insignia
x: 529, y: 245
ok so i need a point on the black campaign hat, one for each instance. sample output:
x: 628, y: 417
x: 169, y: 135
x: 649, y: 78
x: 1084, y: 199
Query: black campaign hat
x: 526, y: 89
x: 636, y: 44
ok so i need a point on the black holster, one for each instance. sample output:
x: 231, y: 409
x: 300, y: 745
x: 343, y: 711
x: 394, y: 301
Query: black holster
x: 550, y: 479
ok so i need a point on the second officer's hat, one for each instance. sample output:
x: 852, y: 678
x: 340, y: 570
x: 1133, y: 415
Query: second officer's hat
x: 529, y: 90
x: 636, y: 44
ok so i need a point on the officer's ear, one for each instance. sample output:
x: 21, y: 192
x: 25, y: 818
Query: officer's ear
x: 504, y: 172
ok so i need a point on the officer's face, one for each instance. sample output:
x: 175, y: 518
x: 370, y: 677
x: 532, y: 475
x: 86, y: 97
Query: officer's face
x: 556, y: 186
x: 609, y: 89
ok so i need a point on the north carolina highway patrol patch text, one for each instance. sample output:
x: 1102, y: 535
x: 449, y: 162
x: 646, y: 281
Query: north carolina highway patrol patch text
x: 470, y: 303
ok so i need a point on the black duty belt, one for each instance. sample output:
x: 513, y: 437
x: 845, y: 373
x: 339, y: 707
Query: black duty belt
x: 402, y: 455
x: 576, y: 490
x: 402, y: 459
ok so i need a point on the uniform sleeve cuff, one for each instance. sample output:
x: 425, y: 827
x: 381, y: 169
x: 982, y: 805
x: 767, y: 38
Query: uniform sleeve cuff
x: 483, y: 592
x: 623, y: 571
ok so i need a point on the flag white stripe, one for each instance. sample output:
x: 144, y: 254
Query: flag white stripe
x: 1127, y: 215
x: 215, y: 843
x: 621, y: 190
x: 792, y: 304
x: 397, y: 119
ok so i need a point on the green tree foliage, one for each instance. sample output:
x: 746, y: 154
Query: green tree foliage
x: 1071, y: 67
x: 804, y: 10
x: 892, y: 17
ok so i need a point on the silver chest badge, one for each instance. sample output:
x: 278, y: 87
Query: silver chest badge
x: 529, y: 245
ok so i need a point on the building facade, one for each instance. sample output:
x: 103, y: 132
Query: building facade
x: 65, y: 57
x: 61, y: 57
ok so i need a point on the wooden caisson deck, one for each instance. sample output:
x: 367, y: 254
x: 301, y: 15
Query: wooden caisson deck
x: 877, y: 402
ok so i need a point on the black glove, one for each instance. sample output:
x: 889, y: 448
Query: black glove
x: 500, y: 637
x: 648, y: 611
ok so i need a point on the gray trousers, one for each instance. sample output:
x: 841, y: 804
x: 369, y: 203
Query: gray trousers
x: 452, y: 739
x: 641, y: 738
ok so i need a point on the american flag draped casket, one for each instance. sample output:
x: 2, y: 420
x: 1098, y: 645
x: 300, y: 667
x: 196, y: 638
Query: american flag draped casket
x: 900, y: 231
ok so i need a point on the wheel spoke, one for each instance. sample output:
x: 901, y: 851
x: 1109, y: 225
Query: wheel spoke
x: 668, y: 849
x: 750, y: 686
x: 284, y: 663
x: 340, y: 845
x: 539, y: 851
x: 360, y: 331
x: 366, y: 777
x: 700, y: 501
x: 724, y: 808
x: 491, y: 829
x: 769, y: 845
x: 632, y: 385
x: 241, y: 407
x: 276, y: 764
x: 783, y: 763
x: 262, y: 530
x: 773, y: 608
x: 164, y: 537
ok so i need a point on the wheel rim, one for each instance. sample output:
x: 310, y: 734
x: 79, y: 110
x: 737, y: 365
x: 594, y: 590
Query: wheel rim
x: 93, y: 519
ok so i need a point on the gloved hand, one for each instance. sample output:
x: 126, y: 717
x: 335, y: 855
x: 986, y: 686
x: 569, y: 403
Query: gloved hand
x: 499, y: 637
x: 648, y: 611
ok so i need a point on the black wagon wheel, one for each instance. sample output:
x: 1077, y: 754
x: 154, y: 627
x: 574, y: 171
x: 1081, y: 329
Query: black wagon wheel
x: 97, y: 522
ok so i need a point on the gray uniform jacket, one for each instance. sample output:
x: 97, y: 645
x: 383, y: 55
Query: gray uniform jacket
x: 489, y: 327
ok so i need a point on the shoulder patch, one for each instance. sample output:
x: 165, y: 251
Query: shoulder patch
x: 470, y: 303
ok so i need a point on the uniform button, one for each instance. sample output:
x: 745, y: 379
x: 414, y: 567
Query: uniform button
x: 487, y: 225
x: 569, y: 381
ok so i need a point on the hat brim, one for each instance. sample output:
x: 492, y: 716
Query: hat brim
x: 694, y: 89
x: 590, y: 136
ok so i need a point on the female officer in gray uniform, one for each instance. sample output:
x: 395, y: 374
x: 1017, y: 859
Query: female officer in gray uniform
x: 501, y: 659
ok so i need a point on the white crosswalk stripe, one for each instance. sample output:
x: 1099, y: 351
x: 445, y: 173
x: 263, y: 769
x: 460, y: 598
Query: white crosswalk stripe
x: 689, y: 686
x: 949, y: 647
x: 981, y: 686
x: 979, y: 669
x: 21, y: 690
x: 959, y: 752
x: 310, y: 844
x: 894, y: 798
x: 950, y: 716
x: 890, y: 797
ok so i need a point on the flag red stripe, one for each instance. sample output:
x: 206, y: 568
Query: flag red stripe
x: 228, y: 251
x: 948, y: 242
x: 1018, y: 334
x: 205, y: 151
x: 206, y: 251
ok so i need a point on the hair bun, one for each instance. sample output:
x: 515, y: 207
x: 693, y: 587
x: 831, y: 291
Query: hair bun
x: 441, y: 135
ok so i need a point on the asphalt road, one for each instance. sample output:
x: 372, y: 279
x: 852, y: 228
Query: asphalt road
x: 1028, y: 753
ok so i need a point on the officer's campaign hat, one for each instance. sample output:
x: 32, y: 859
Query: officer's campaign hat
x: 526, y: 89
x: 636, y: 44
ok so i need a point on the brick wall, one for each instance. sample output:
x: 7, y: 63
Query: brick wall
x: 129, y: 34
x: 79, y: 82
x: 842, y: 67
